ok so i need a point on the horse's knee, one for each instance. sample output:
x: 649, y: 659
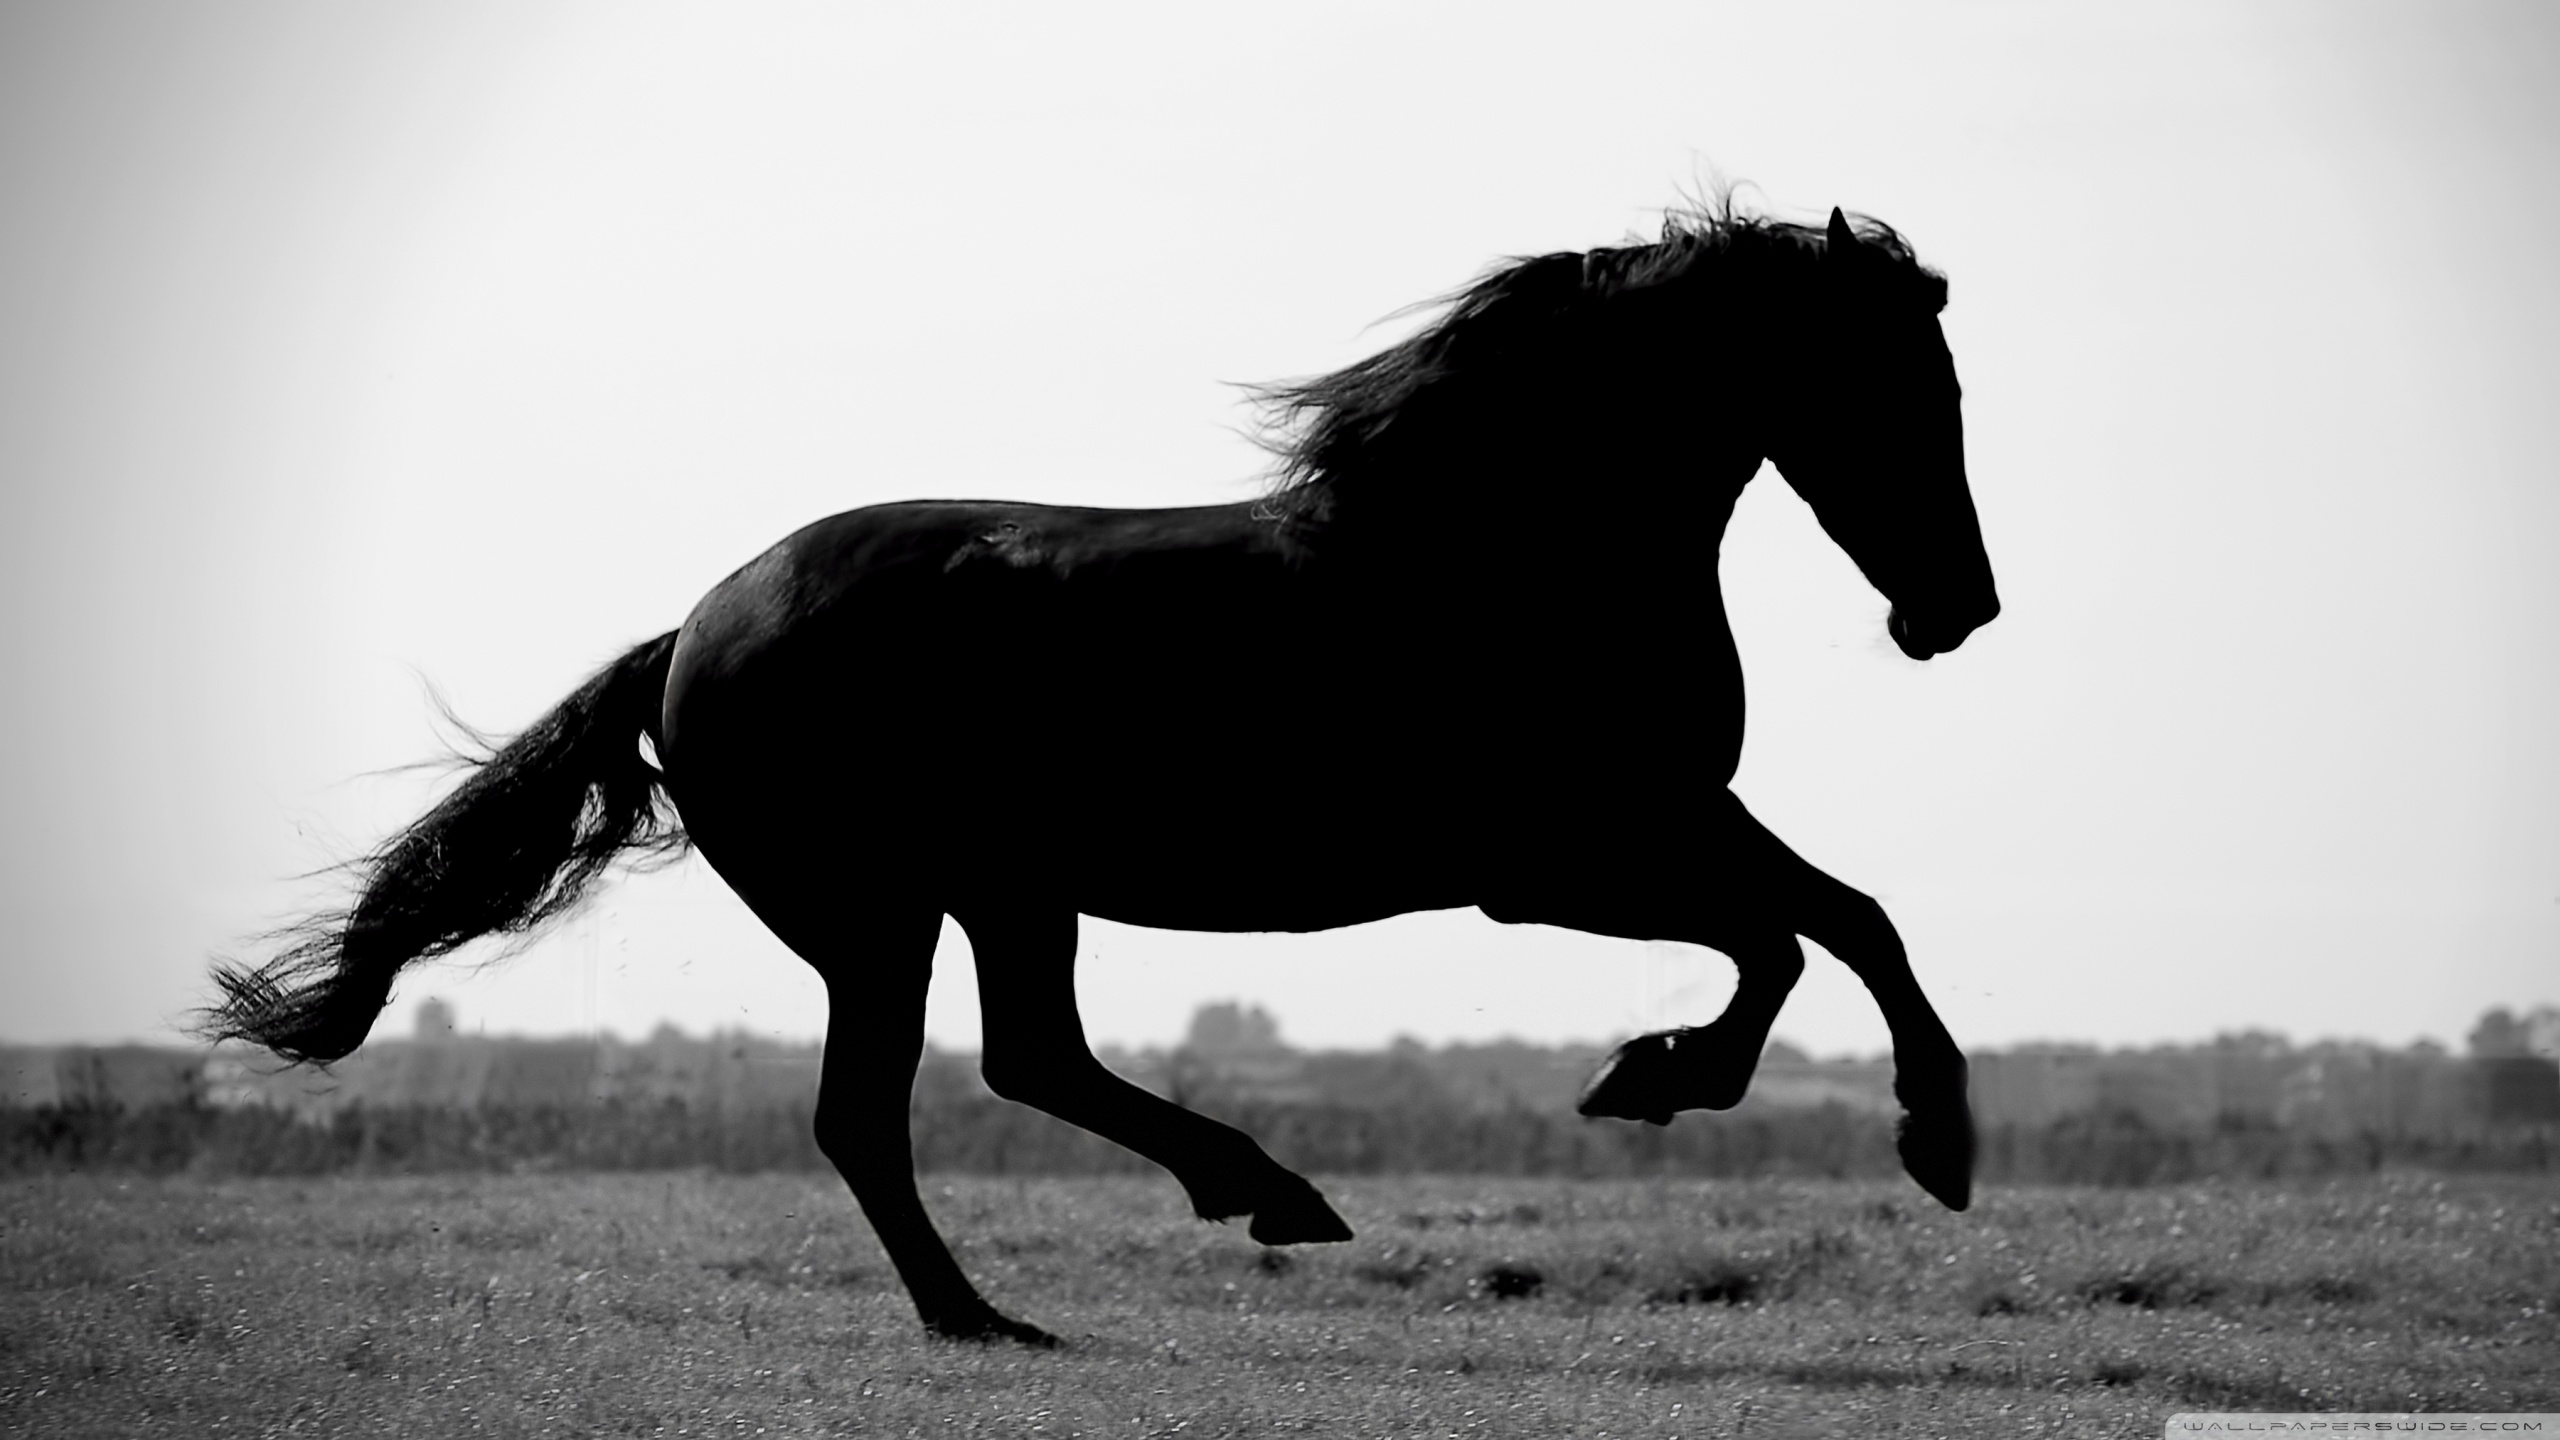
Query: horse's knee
x: 838, y: 1132
x: 1780, y: 965
x: 1843, y: 907
x: 1009, y: 1078
x: 861, y: 1126
x: 1853, y: 927
x: 1028, y: 1077
x: 845, y: 1148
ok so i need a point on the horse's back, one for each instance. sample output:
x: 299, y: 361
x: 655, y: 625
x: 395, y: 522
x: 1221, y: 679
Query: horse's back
x: 966, y: 657
x: 1011, y: 594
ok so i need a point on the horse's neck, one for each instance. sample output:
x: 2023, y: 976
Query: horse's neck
x: 1585, y: 557
x: 1577, y: 488
x: 1533, y: 633
x: 1592, y: 533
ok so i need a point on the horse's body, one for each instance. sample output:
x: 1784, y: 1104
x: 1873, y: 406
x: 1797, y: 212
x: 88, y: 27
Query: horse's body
x: 1474, y: 655
x: 1168, y: 719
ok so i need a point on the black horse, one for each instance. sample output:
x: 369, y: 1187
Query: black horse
x: 1387, y: 686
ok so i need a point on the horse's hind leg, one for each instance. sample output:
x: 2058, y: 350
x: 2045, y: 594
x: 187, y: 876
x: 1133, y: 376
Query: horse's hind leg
x: 877, y: 967
x: 1036, y: 1054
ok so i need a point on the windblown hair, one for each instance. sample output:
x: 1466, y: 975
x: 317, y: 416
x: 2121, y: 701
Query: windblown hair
x: 517, y: 845
x: 1345, y: 432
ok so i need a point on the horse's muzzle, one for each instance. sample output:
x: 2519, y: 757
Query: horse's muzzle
x: 1922, y: 639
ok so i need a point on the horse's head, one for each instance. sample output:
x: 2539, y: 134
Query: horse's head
x: 1872, y: 436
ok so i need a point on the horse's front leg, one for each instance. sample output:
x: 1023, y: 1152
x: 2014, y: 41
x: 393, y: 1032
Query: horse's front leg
x: 1936, y: 1138
x: 1695, y: 1067
x: 1734, y: 887
x: 1036, y: 1054
x: 1702, y: 1067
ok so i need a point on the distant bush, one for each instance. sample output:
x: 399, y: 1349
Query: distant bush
x: 2120, y: 1149
x: 1828, y: 1142
x: 403, y: 1140
x: 962, y: 1133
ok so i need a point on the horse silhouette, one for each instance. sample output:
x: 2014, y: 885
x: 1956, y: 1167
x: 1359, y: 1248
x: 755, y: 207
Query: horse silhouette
x: 1390, y: 684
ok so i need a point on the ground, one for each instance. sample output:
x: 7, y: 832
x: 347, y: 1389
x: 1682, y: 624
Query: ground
x: 718, y: 1305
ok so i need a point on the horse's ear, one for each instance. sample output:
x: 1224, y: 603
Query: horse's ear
x: 1840, y: 243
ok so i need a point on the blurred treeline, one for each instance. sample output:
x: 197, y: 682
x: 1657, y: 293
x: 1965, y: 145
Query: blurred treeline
x: 2248, y: 1105
x: 958, y: 1128
x: 983, y: 1135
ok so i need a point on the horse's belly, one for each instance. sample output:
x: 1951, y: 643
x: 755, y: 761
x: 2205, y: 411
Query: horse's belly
x: 1250, y: 870
x: 1255, y: 909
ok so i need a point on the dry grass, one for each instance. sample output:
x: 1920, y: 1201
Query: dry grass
x: 694, y: 1304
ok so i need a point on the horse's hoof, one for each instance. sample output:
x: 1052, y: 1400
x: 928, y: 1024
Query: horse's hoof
x: 1297, y: 1215
x: 986, y: 1325
x: 1634, y: 1083
x: 1937, y: 1149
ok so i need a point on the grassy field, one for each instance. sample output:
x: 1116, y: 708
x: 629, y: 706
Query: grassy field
x: 707, y: 1305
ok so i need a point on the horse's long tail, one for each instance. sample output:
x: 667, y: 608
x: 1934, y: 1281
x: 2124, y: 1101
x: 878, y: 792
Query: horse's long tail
x: 518, y: 843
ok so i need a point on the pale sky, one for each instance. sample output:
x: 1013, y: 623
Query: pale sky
x: 343, y: 347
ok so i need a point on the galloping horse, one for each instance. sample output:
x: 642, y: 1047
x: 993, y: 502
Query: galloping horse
x: 1383, y: 687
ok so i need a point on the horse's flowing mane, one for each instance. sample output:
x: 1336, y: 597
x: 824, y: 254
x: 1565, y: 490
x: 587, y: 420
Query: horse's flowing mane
x: 1330, y: 435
